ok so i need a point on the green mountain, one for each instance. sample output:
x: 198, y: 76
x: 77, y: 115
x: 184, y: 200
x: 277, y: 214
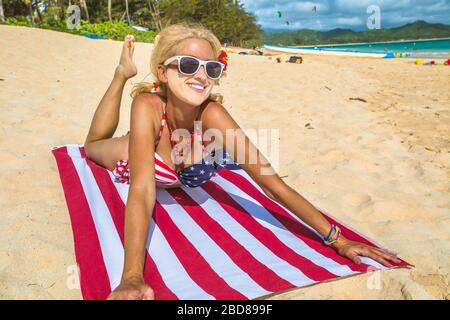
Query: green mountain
x: 412, y: 31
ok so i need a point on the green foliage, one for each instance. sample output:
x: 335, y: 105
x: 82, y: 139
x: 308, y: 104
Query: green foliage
x: 111, y: 30
x: 55, y: 24
x: 117, y: 31
x: 226, y: 18
x: 18, y: 21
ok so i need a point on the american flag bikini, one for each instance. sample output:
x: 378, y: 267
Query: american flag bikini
x: 192, y: 176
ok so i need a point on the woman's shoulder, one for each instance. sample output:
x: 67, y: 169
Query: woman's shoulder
x: 213, y: 108
x: 150, y: 99
x: 148, y: 107
x: 152, y: 103
x: 214, y: 111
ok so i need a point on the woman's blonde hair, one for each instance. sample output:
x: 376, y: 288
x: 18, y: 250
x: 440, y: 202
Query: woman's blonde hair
x: 167, y: 44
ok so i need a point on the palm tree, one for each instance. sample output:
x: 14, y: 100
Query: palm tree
x: 109, y: 10
x: 128, y: 13
x: 30, y: 10
x: 62, y: 13
x: 2, y: 15
x: 154, y: 10
x: 84, y: 5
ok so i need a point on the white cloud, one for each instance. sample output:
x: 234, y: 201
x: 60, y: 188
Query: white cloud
x: 352, y: 22
x: 345, y: 13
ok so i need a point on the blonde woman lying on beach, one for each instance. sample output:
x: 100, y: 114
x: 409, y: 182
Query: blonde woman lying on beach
x: 187, y: 61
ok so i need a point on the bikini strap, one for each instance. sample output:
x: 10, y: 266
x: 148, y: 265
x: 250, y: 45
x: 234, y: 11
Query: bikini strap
x: 163, y: 123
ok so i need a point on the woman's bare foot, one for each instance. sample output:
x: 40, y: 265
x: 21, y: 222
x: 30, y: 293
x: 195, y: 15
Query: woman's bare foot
x: 126, y: 67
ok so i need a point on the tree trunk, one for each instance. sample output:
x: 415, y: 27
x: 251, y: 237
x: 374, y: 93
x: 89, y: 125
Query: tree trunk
x: 128, y: 13
x: 109, y: 10
x: 30, y: 11
x: 155, y: 14
x: 2, y: 14
x: 62, y: 14
x: 84, y: 5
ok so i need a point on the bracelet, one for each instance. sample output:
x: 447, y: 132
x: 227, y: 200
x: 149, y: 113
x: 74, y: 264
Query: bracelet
x: 329, y: 233
x: 328, y: 240
x: 336, y: 236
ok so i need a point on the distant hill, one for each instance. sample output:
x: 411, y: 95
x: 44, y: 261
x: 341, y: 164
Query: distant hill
x: 412, y: 31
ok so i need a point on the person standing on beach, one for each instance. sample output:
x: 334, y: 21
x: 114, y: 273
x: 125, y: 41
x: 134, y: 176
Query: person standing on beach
x: 187, y: 62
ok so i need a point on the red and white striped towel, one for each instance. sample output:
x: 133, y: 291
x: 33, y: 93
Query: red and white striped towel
x: 223, y: 240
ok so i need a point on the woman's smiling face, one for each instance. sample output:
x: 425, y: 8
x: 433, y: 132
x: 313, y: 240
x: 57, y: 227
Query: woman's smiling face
x: 181, y: 85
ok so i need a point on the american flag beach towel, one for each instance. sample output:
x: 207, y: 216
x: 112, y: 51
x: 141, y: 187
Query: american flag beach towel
x: 223, y: 240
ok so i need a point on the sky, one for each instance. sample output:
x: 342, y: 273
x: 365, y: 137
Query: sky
x: 351, y: 14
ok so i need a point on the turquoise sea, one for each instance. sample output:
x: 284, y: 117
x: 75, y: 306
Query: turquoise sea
x: 440, y: 47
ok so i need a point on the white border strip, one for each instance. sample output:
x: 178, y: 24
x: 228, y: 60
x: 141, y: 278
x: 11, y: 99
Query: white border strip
x: 110, y: 243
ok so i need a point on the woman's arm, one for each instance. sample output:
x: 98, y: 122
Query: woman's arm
x: 141, y: 199
x: 218, y: 118
x: 109, y: 106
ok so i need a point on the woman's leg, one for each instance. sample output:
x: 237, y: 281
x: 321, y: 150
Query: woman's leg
x: 99, y: 144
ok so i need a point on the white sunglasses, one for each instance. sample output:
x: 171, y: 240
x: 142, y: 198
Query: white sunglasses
x: 189, y: 66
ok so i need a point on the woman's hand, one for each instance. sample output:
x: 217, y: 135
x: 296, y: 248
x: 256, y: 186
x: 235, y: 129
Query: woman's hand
x: 133, y: 288
x: 352, y: 249
x: 126, y: 68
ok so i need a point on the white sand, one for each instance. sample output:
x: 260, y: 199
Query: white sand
x: 382, y: 166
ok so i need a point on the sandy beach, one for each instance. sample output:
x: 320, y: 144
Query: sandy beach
x: 368, y: 140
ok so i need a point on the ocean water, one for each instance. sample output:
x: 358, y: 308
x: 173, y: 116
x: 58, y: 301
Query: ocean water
x: 418, y: 46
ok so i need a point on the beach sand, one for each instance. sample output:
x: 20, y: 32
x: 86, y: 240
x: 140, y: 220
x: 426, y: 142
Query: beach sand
x: 381, y: 166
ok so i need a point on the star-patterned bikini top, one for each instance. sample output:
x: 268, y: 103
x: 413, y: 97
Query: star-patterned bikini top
x: 198, y: 173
